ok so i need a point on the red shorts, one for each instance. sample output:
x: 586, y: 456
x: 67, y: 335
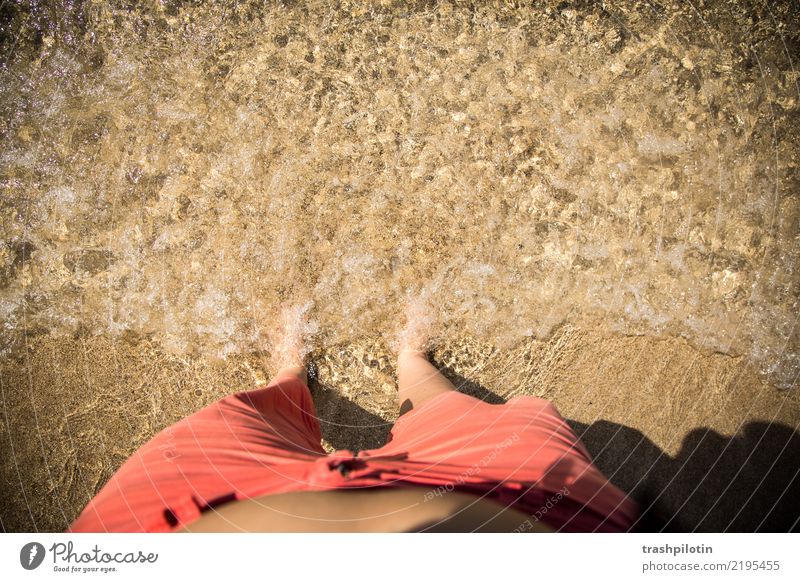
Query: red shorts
x: 267, y: 441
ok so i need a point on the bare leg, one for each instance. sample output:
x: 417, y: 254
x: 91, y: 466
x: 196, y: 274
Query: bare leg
x: 418, y: 380
x: 290, y: 372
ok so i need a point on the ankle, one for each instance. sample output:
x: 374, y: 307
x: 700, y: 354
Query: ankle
x: 291, y: 372
x: 410, y: 353
x: 412, y: 350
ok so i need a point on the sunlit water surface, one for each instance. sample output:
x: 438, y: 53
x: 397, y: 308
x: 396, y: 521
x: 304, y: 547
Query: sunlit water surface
x: 180, y: 172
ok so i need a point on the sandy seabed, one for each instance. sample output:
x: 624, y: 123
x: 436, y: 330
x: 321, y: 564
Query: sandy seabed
x: 598, y: 203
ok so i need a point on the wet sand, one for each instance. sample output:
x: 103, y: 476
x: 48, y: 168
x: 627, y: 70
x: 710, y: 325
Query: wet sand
x: 599, y: 205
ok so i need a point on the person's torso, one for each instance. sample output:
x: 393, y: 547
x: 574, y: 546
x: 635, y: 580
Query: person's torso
x: 365, y: 510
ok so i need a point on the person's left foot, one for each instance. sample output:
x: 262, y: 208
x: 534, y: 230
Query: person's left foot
x: 415, y: 335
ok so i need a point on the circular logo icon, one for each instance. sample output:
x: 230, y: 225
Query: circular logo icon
x: 31, y: 555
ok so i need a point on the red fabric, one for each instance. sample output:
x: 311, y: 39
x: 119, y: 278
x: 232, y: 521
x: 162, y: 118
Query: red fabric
x: 267, y: 441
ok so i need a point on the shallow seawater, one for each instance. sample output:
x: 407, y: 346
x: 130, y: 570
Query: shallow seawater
x: 180, y: 171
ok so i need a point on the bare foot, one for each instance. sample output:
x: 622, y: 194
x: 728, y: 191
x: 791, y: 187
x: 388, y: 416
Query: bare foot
x: 415, y: 336
x: 289, y: 340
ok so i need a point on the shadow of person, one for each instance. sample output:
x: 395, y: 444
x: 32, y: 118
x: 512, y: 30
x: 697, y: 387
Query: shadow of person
x: 468, y: 386
x: 345, y: 424
x: 745, y: 483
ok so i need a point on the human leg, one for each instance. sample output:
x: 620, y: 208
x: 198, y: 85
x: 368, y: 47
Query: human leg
x: 418, y: 380
x: 252, y: 440
x: 521, y: 454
